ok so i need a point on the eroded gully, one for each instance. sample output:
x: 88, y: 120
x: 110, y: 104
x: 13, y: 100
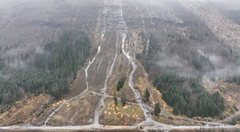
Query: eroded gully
x: 101, y: 105
x: 86, y: 76
x: 149, y: 119
x: 124, y: 32
x: 114, y: 15
x: 121, y: 29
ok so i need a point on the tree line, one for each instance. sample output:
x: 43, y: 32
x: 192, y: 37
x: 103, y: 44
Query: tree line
x: 187, y: 96
x: 47, y: 72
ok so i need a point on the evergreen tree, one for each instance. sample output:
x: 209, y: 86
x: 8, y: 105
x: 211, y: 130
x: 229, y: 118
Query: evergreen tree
x: 123, y: 99
x: 221, y: 104
x: 4, y: 101
x: 194, y: 110
x: 235, y: 107
x: 115, y: 99
x: 157, y: 109
x: 202, y: 104
x: 45, y: 106
x: 120, y: 84
x: 147, y: 94
x: 175, y: 111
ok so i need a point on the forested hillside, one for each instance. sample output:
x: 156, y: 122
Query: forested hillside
x: 121, y: 63
x: 176, y: 65
x: 187, y: 96
x: 50, y: 71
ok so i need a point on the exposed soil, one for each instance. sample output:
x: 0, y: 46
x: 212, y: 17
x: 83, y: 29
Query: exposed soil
x: 109, y: 25
x: 24, y: 111
x: 77, y: 112
x: 127, y: 115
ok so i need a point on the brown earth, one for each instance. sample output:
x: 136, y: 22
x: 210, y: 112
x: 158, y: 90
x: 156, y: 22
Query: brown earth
x: 77, y: 112
x: 25, y: 111
x: 81, y: 110
x: 127, y: 115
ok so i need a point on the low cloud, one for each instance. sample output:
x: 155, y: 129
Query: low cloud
x: 169, y: 61
x: 223, y: 69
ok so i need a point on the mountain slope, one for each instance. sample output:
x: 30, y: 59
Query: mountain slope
x: 138, y: 42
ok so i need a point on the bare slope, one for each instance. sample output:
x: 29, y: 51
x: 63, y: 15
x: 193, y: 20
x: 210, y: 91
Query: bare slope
x: 113, y: 59
x: 116, y: 28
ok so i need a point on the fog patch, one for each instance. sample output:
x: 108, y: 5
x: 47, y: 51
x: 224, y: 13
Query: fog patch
x: 38, y: 50
x: 19, y: 57
x: 165, y: 60
x: 223, y: 69
x: 180, y: 66
x: 17, y: 64
x: 13, y: 52
x: 216, y: 60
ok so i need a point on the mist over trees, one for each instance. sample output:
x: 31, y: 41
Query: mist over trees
x: 177, y: 58
x: 48, y: 72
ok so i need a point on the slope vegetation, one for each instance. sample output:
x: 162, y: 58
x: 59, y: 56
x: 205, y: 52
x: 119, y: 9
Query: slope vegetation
x: 133, y: 56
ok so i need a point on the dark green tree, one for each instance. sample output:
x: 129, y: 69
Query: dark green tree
x: 123, y: 99
x: 191, y: 99
x: 2, y: 63
x: 120, y: 84
x: 45, y: 106
x: 115, y: 99
x: 194, y: 110
x: 4, y: 101
x: 235, y: 107
x: 175, y: 111
x: 157, y: 109
x: 196, y: 63
x: 147, y: 94
x: 221, y: 104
